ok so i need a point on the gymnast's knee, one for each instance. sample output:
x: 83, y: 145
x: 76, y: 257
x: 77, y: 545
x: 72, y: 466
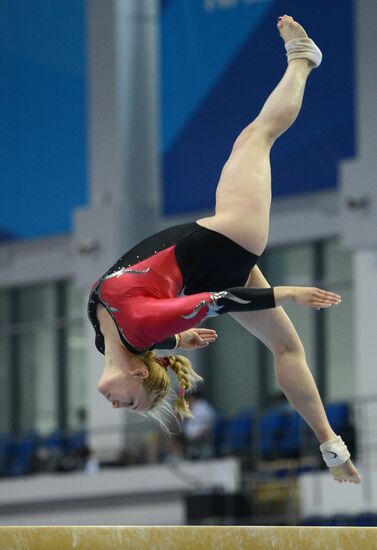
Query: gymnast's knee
x: 289, y: 349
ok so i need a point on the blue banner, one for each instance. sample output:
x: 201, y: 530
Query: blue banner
x: 42, y: 113
x: 219, y: 60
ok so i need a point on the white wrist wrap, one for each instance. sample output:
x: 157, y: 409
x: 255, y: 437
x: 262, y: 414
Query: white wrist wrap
x: 334, y: 452
x: 298, y: 48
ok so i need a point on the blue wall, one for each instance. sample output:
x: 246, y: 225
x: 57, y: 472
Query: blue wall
x: 217, y: 68
x: 42, y: 114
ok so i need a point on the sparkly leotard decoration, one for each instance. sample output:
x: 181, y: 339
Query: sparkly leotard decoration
x: 170, y: 282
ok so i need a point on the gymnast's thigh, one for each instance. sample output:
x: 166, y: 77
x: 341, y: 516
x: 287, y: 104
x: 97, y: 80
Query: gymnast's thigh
x: 243, y: 194
x: 272, y: 326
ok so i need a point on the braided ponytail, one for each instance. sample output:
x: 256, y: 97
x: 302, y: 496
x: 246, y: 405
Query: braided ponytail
x: 187, y: 379
x: 157, y: 385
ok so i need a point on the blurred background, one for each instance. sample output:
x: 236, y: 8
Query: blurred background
x: 116, y: 118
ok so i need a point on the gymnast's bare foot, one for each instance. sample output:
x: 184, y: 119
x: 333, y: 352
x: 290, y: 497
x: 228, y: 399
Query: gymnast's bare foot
x: 289, y: 28
x: 300, y: 48
x: 345, y: 472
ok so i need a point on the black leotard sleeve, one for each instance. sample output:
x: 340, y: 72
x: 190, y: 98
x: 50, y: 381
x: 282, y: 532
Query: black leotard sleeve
x: 244, y: 299
x: 168, y: 343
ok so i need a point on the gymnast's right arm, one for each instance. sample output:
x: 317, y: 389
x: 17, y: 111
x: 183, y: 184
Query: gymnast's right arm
x: 153, y: 320
x: 254, y: 299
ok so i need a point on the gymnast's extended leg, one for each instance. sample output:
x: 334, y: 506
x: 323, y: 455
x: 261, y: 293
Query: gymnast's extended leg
x: 274, y: 328
x: 243, y: 194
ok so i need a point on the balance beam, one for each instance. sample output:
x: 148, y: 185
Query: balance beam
x: 192, y: 538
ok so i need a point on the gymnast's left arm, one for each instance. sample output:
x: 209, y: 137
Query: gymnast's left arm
x: 153, y: 321
x: 193, y: 338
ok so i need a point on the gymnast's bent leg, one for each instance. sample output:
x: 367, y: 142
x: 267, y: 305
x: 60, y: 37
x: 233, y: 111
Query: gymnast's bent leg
x: 274, y: 328
x: 243, y: 195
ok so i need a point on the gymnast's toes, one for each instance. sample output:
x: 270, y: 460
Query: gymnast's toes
x: 290, y: 29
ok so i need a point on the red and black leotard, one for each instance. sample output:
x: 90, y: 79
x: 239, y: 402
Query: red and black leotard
x: 170, y: 282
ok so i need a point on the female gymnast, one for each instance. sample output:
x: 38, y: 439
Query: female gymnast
x: 156, y: 293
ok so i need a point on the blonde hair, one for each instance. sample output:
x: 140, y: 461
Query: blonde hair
x: 158, y: 385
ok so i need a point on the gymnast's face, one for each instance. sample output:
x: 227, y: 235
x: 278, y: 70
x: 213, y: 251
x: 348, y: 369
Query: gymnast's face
x: 125, y: 389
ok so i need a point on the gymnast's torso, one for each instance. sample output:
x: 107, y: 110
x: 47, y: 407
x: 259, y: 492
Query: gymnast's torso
x: 140, y: 290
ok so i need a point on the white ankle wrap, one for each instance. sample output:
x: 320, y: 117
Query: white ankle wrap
x: 334, y: 452
x: 303, y: 48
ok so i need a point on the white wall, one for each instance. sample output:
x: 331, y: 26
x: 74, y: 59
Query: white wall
x: 152, y: 495
x: 35, y: 261
x: 320, y: 495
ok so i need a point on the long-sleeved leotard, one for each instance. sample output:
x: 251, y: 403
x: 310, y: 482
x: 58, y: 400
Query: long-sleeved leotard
x: 185, y: 280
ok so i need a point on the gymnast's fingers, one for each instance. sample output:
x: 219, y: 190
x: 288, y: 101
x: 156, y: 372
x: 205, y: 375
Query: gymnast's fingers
x: 327, y: 297
x: 205, y: 335
x: 208, y: 337
x: 207, y: 340
x: 205, y: 332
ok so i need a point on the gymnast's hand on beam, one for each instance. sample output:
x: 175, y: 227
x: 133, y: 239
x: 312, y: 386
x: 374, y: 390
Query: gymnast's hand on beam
x: 197, y: 338
x: 306, y: 296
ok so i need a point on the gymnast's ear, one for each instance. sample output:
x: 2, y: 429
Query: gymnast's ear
x: 140, y: 372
